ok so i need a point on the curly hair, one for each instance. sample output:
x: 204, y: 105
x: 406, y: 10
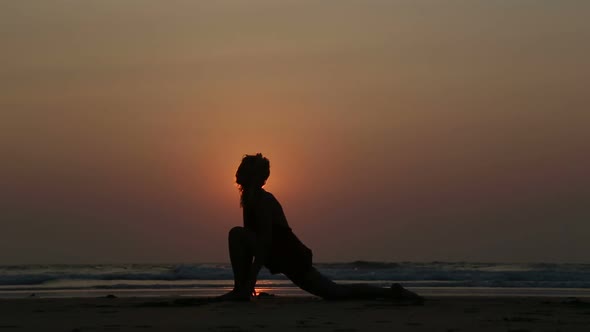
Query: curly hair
x: 251, y: 175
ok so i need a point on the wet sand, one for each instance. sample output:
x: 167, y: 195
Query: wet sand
x: 295, y: 314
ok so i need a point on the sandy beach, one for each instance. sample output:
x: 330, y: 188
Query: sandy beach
x: 295, y: 314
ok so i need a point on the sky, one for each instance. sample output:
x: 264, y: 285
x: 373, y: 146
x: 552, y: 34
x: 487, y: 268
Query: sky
x: 396, y: 130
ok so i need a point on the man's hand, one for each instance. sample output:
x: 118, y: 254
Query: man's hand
x: 253, y: 275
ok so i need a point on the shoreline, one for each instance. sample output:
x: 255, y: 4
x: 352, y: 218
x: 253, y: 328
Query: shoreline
x: 289, y: 291
x: 448, y: 313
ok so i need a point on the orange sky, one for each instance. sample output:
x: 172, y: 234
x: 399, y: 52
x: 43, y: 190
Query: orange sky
x: 401, y: 130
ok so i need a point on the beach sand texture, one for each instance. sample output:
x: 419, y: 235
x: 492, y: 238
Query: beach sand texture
x: 295, y: 314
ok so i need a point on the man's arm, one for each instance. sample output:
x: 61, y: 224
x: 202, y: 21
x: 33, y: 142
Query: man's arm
x: 263, y: 240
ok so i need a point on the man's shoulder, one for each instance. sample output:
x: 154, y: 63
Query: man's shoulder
x: 268, y: 197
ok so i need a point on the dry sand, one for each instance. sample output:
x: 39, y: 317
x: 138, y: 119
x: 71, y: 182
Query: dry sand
x: 295, y: 314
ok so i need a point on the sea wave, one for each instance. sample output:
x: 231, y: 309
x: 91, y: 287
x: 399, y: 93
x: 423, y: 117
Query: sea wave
x: 448, y: 274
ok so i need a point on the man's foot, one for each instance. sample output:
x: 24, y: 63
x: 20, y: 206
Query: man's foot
x: 400, y: 293
x: 234, y: 295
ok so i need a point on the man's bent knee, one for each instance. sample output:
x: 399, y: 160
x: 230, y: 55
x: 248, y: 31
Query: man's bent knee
x: 236, y: 233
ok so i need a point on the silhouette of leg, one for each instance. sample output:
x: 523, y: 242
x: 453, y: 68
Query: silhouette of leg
x: 241, y: 248
x: 317, y: 284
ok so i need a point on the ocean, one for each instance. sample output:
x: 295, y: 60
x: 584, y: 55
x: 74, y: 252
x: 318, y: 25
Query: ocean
x: 433, y: 278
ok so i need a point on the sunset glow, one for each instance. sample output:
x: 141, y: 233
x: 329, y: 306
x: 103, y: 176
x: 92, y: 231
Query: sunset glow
x: 396, y: 130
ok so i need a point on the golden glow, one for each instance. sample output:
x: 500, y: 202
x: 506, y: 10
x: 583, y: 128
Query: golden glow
x: 125, y: 124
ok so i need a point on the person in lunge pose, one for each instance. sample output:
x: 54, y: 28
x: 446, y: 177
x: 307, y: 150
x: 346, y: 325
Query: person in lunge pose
x: 266, y: 240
